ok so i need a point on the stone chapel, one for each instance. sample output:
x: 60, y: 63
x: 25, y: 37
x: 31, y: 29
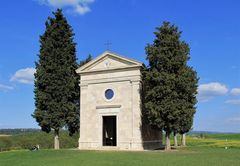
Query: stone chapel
x: 111, y: 107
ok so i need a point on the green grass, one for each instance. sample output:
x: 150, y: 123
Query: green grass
x: 215, y: 140
x: 211, y: 140
x: 207, y: 150
x: 201, y: 156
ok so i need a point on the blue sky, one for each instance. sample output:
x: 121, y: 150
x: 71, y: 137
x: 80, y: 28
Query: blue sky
x: 212, y: 29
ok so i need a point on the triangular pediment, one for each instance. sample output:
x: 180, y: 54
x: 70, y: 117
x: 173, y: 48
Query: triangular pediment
x: 108, y: 61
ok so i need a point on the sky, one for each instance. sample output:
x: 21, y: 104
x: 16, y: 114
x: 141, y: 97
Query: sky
x: 211, y: 28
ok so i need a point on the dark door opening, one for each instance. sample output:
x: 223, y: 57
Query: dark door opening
x: 109, y: 131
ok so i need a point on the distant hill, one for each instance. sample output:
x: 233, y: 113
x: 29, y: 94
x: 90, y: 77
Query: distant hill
x: 211, y: 132
x: 18, y: 131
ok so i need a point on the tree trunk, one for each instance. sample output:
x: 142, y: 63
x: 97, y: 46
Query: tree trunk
x: 175, y: 140
x: 56, y: 139
x: 168, y: 145
x: 183, y: 140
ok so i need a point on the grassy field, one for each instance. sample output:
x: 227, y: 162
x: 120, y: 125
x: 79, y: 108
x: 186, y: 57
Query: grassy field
x: 196, y: 156
x: 202, y: 150
x: 215, y: 140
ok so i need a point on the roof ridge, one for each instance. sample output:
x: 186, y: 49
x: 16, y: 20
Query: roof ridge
x: 107, y: 53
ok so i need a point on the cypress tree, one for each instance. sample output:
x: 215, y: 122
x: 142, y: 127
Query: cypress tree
x: 165, y: 80
x: 189, y: 83
x: 56, y: 82
x: 187, y: 91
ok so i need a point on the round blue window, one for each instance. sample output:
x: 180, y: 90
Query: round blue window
x: 109, y: 94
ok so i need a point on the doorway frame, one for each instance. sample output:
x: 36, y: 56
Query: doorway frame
x: 103, y: 116
x: 101, y: 129
x: 112, y: 110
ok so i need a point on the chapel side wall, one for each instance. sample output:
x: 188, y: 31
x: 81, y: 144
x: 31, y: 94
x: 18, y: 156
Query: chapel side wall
x: 144, y: 136
x: 151, y: 138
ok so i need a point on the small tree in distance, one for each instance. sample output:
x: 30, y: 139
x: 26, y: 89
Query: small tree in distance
x: 56, y: 82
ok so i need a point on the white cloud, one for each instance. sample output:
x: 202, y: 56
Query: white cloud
x: 78, y: 6
x: 234, y: 102
x: 5, y: 88
x: 235, y: 91
x: 25, y: 76
x: 210, y: 90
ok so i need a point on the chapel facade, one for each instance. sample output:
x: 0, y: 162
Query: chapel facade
x: 111, y: 107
